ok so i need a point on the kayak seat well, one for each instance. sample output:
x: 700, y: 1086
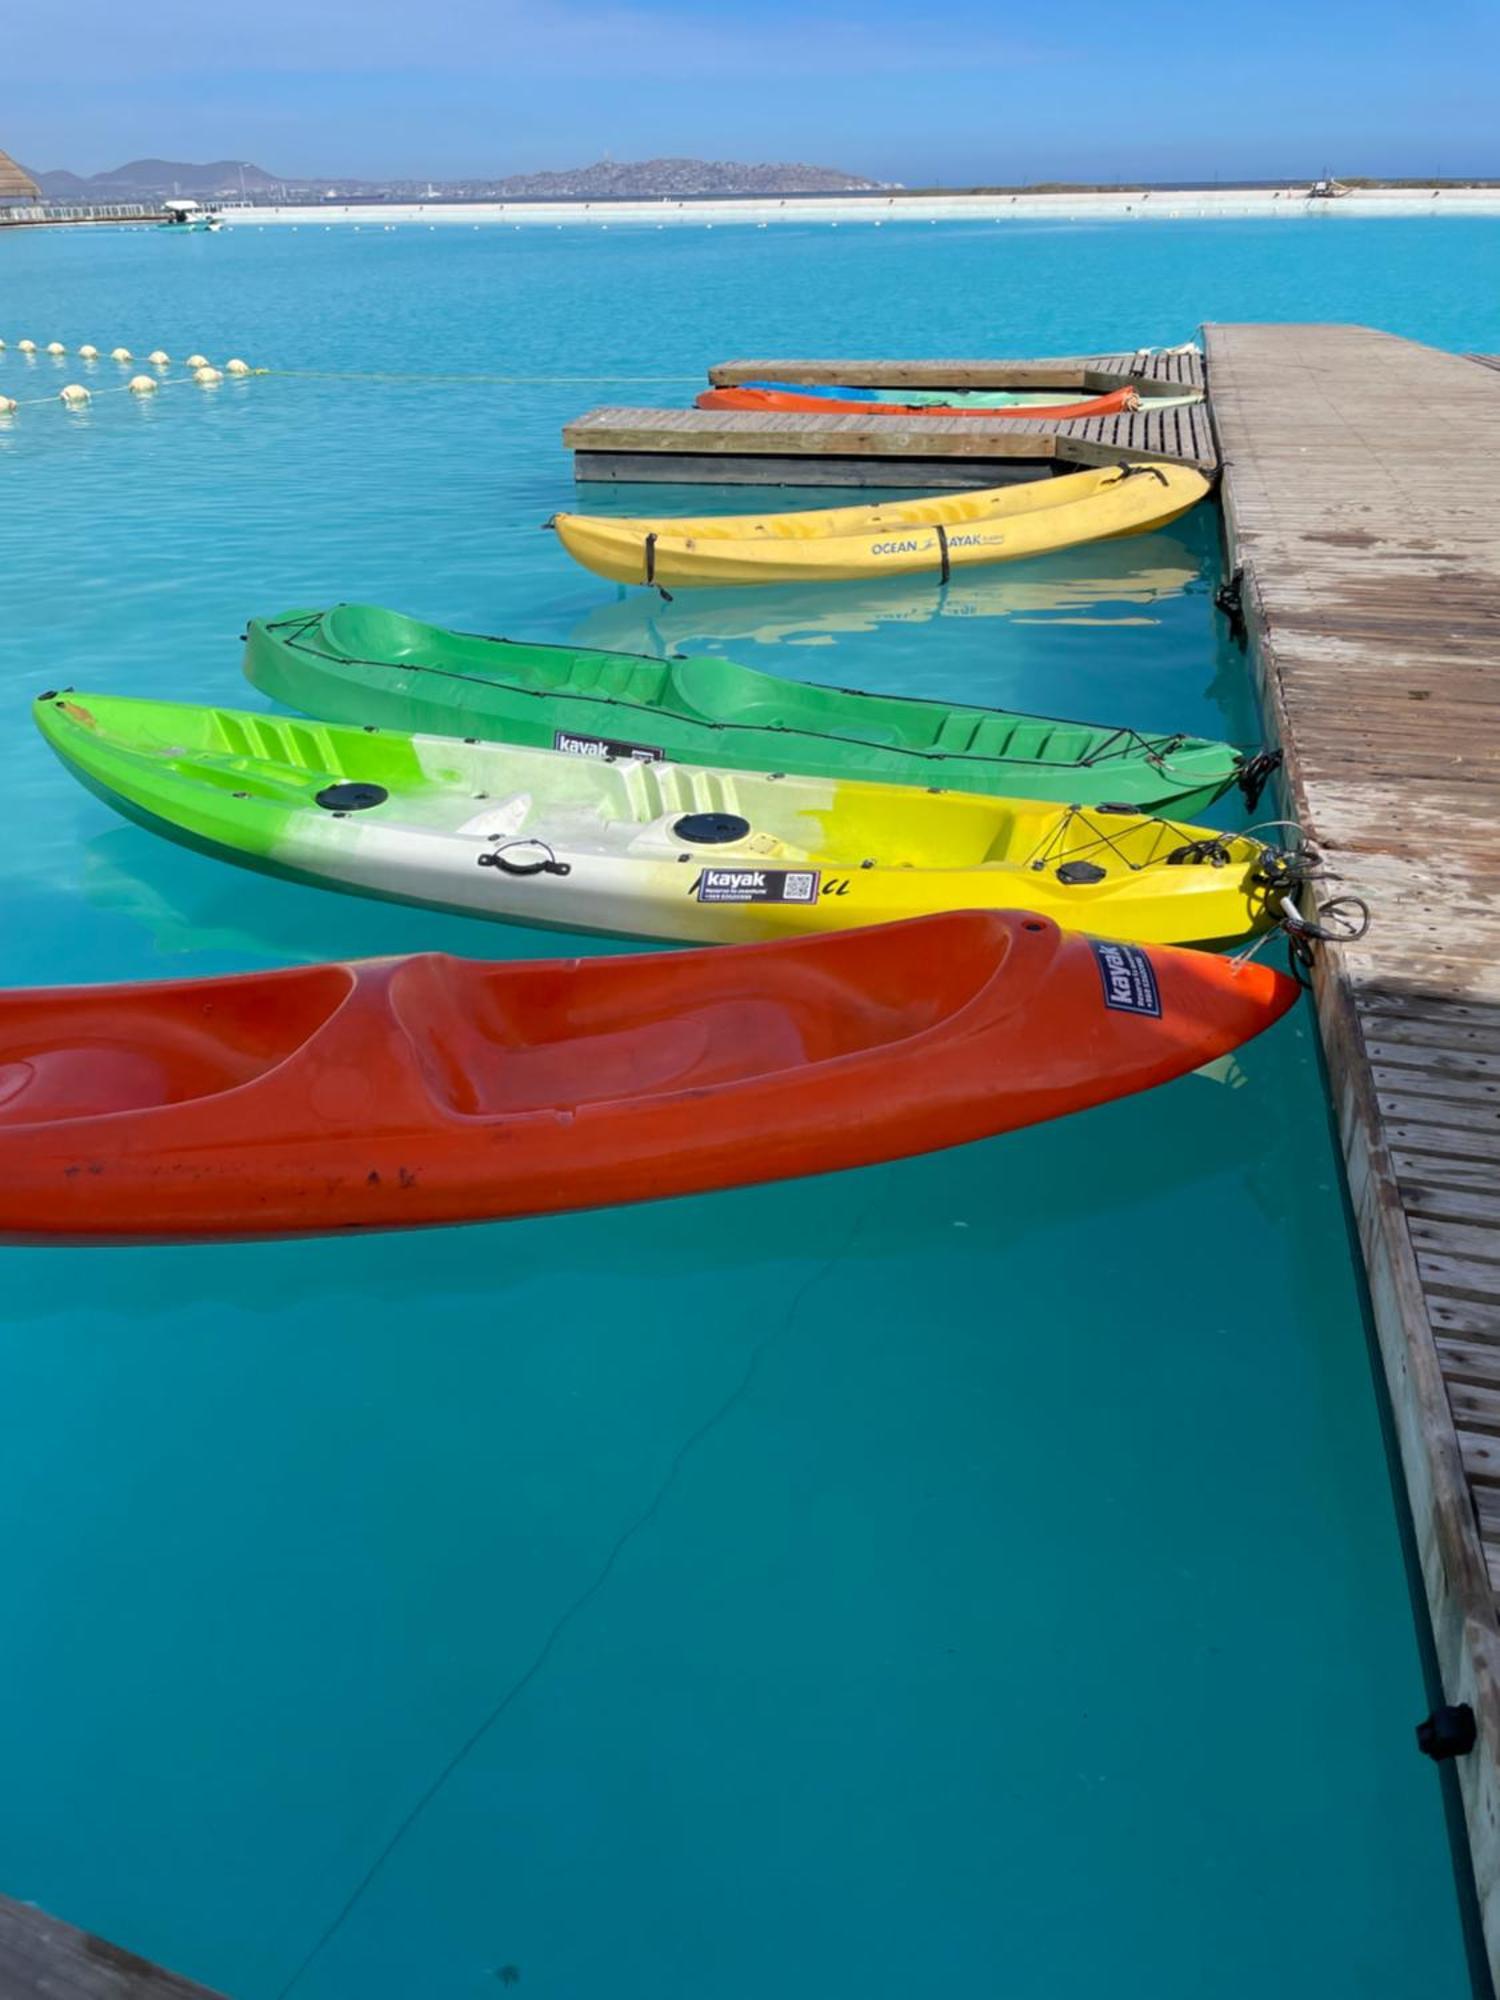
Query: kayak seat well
x: 169, y: 1048
x: 366, y: 632
x: 558, y: 1037
x: 720, y: 692
x: 600, y: 675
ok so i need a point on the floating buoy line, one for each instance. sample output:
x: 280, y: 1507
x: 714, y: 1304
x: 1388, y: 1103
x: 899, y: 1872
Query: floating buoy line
x: 78, y: 395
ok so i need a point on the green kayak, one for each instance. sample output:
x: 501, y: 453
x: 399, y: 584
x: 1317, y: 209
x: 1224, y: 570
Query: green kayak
x: 363, y: 665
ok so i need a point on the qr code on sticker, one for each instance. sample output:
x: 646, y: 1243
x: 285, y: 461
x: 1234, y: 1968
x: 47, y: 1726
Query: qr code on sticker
x: 800, y: 888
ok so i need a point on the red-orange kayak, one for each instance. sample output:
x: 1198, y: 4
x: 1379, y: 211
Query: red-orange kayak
x: 832, y: 406
x: 418, y: 1090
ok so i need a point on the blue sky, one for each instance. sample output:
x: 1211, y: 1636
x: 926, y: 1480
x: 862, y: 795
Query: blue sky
x: 900, y: 92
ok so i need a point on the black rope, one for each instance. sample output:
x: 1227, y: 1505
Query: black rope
x: 1055, y: 843
x: 651, y: 557
x: 1213, y: 849
x: 947, y: 569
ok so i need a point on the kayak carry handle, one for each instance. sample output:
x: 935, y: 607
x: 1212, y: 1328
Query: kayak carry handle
x: 547, y: 865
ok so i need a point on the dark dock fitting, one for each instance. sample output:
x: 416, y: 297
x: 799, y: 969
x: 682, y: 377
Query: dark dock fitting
x: 797, y: 448
x: 1362, y: 501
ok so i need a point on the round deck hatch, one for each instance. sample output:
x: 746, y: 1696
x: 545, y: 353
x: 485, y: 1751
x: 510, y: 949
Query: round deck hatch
x: 711, y: 829
x: 352, y: 798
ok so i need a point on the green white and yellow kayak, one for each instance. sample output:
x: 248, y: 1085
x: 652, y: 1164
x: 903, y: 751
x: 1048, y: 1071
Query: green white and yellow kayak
x: 931, y: 537
x: 357, y: 663
x: 635, y: 848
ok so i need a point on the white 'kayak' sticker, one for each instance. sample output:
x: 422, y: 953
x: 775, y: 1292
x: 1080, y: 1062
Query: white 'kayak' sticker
x: 610, y: 748
x: 757, y: 885
x: 1128, y: 977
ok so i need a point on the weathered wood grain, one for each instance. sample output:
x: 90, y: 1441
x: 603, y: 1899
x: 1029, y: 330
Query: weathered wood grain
x: 42, y: 1959
x: 1362, y: 502
x: 791, y: 432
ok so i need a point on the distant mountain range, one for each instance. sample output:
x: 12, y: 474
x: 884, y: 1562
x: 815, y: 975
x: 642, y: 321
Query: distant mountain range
x: 139, y: 180
x: 606, y: 180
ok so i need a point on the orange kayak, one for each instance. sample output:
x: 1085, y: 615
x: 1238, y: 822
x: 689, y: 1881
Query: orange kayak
x: 832, y: 406
x: 402, y: 1091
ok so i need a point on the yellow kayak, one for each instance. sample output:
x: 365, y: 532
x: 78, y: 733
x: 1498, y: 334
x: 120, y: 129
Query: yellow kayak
x: 933, y: 537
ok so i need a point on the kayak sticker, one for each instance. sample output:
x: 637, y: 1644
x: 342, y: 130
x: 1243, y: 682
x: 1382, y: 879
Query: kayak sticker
x: 918, y: 548
x: 609, y: 748
x: 1129, y: 978
x: 757, y: 885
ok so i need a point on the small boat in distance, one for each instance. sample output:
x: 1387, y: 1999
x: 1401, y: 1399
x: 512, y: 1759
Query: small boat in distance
x: 185, y: 215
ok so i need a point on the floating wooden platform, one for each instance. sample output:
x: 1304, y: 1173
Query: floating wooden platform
x: 42, y: 1959
x: 1362, y: 499
x: 795, y: 448
x: 1091, y: 374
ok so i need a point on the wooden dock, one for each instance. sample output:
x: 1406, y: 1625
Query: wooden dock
x: 42, y: 1959
x: 1082, y: 374
x: 1362, y: 501
x: 796, y: 448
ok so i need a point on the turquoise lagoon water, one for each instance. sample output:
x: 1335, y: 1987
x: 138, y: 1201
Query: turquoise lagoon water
x: 972, y: 1577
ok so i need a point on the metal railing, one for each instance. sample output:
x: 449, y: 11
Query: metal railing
x: 57, y: 211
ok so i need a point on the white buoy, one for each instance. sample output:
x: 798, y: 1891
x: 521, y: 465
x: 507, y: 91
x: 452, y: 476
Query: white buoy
x: 8, y: 406
x: 87, y: 353
x: 158, y: 358
x: 73, y: 394
x: 27, y: 346
x: 207, y: 376
x: 2, y: 346
x: 142, y: 385
x: 56, y: 347
x: 121, y: 354
x: 236, y: 367
x: 196, y: 361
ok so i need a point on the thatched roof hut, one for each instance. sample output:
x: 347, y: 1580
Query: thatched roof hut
x: 14, y: 185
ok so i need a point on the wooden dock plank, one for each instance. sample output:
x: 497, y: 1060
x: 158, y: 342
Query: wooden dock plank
x: 1078, y: 371
x: 1362, y: 502
x: 713, y: 432
x: 43, y: 1959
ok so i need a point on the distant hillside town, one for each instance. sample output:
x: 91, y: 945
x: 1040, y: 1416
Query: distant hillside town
x: 605, y: 180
